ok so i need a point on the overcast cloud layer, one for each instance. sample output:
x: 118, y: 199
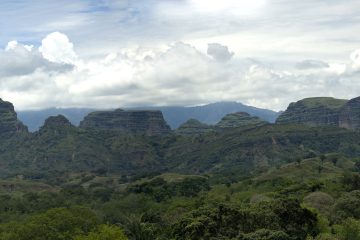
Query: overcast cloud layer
x: 265, y: 53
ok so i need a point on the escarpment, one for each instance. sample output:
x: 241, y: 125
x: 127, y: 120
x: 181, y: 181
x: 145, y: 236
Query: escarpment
x: 9, y: 123
x: 149, y: 123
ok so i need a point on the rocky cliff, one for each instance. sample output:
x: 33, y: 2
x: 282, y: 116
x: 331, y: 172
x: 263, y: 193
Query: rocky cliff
x: 239, y: 119
x: 313, y: 112
x: 193, y: 126
x: 9, y: 124
x: 132, y: 122
x: 350, y: 114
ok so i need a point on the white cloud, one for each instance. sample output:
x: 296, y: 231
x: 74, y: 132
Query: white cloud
x: 177, y: 75
x: 56, y: 47
x: 355, y: 59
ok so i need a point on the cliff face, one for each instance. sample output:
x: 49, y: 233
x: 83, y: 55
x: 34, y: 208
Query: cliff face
x: 9, y: 124
x: 193, y: 126
x: 240, y: 119
x: 313, y: 112
x: 132, y: 122
x: 350, y: 115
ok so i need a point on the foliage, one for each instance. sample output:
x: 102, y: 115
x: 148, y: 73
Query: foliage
x: 104, y: 232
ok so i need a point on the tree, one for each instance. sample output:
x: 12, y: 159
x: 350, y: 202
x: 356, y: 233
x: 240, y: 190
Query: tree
x: 320, y: 168
x: 349, y: 230
x: 265, y: 234
x: 55, y: 224
x: 334, y: 160
x: 320, y: 201
x: 322, y: 159
x: 104, y: 232
x: 357, y: 166
x: 347, y: 206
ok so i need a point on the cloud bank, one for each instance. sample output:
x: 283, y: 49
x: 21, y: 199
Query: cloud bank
x: 53, y: 74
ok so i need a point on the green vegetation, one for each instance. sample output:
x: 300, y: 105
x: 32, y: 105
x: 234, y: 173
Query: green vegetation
x: 329, y: 102
x: 269, y: 182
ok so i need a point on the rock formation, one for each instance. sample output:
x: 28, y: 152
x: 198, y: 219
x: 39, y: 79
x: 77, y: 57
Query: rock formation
x: 193, y: 126
x: 350, y: 115
x: 313, y: 112
x: 131, y: 122
x: 239, y: 119
x: 9, y: 124
x: 57, y: 124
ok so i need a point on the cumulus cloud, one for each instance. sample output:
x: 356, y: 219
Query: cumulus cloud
x: 219, y: 52
x: 55, y: 75
x: 56, y: 47
x: 19, y: 60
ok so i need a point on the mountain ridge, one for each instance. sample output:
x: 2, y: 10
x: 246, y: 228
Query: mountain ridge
x: 174, y: 115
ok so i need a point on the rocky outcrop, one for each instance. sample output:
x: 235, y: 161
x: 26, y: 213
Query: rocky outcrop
x: 194, y: 127
x: 350, y: 115
x: 313, y: 112
x: 57, y: 124
x: 9, y: 124
x: 239, y: 119
x: 149, y: 123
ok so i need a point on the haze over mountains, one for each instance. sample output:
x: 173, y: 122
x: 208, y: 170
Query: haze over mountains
x: 174, y: 116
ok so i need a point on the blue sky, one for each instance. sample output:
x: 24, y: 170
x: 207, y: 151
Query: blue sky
x: 107, y: 53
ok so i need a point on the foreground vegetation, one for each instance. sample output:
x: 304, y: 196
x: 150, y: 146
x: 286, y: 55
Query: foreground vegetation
x: 315, y: 198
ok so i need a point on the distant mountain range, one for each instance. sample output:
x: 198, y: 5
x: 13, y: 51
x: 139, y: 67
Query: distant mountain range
x: 174, y: 116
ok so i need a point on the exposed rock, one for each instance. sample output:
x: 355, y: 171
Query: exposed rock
x: 9, y: 124
x: 239, y: 119
x: 193, y: 127
x: 350, y: 115
x: 132, y: 122
x: 313, y: 112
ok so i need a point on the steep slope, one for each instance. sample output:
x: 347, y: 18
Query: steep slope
x: 313, y: 111
x: 350, y: 115
x: 9, y: 124
x: 245, y: 149
x: 135, y: 122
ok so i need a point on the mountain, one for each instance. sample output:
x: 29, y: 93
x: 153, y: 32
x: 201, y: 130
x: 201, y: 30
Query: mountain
x: 230, y: 121
x: 34, y: 119
x: 174, y: 116
x: 350, y: 114
x: 147, y: 122
x: 194, y: 127
x: 9, y: 122
x: 212, y: 113
x: 323, y: 111
x: 313, y: 111
x: 137, y: 141
x: 240, y: 119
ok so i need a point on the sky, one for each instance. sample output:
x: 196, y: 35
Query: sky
x: 131, y: 53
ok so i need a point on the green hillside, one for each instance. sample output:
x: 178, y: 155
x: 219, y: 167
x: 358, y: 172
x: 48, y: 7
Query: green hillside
x: 249, y: 180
